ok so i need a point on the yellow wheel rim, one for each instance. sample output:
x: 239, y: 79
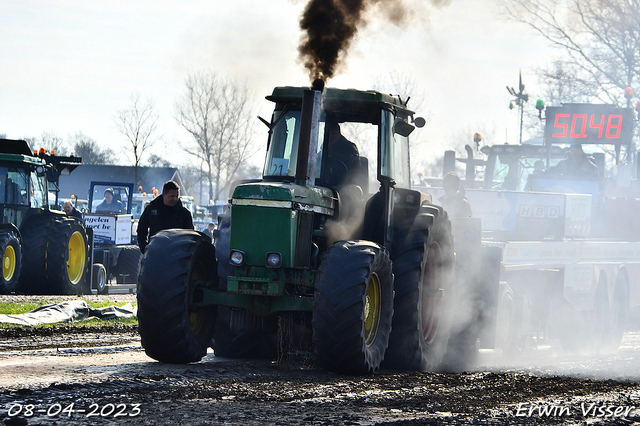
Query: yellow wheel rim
x: 8, y: 263
x: 372, y: 310
x: 77, y: 257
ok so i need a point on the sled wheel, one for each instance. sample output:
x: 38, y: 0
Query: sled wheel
x: 423, y: 270
x: 177, y: 266
x: 99, y: 278
x: 11, y: 261
x: 353, y: 307
x: 128, y: 265
x: 619, y: 310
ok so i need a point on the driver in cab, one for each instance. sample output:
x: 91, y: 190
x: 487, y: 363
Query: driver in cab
x: 110, y: 204
x: 577, y: 164
x: 343, y: 157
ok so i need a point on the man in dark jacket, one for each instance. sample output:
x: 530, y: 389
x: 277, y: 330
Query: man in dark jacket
x: 71, y: 211
x: 454, y: 200
x: 164, y: 212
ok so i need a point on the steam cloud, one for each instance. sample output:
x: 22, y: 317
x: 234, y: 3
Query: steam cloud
x: 331, y: 25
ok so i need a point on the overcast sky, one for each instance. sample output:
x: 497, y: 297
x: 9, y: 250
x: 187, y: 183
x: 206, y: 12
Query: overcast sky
x: 71, y: 65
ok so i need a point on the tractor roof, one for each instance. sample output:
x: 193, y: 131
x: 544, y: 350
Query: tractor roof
x: 18, y: 151
x: 331, y: 95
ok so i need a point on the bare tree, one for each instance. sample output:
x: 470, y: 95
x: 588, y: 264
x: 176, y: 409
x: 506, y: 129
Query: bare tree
x: 600, y: 40
x: 139, y: 124
x: 156, y: 161
x: 87, y: 148
x: 217, y: 113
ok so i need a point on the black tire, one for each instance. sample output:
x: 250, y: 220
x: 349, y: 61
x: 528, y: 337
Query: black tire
x: 99, y: 278
x: 353, y: 307
x: 619, y: 311
x: 423, y: 268
x: 11, y: 261
x: 173, y: 329
x: 35, y: 239
x: 55, y: 255
x: 506, y: 323
x: 128, y: 265
x: 66, y: 264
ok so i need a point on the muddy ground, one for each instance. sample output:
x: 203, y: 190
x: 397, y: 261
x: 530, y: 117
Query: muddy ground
x: 102, y: 376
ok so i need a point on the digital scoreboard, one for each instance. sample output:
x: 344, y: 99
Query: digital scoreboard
x: 588, y: 124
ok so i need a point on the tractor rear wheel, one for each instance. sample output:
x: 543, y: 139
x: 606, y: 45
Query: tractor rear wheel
x: 55, y: 255
x: 128, y: 266
x: 11, y: 261
x: 353, y: 307
x: 66, y: 264
x: 177, y: 264
x: 423, y: 269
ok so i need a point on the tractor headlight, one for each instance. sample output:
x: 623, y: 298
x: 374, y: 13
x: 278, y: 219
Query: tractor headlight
x: 236, y: 258
x: 274, y: 260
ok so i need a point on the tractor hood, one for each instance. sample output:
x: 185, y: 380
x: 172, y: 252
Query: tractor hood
x: 285, y: 195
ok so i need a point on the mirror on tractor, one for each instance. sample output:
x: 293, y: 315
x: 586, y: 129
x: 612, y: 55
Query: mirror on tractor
x: 419, y: 122
x: 402, y: 128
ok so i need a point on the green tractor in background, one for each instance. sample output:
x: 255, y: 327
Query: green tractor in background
x: 308, y: 258
x: 43, y: 251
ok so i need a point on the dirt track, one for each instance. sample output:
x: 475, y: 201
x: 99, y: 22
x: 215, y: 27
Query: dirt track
x: 102, y: 376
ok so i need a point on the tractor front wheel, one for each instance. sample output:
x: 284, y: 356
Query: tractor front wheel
x: 353, y: 307
x: 176, y: 267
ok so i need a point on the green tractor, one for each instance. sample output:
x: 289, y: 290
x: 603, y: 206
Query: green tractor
x: 308, y: 258
x: 43, y: 251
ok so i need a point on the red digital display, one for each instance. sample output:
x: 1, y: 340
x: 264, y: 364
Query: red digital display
x: 586, y: 123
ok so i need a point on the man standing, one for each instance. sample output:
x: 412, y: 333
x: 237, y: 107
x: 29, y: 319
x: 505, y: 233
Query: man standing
x: 209, y: 230
x: 164, y: 212
x: 454, y: 200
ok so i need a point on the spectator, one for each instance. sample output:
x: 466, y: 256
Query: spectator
x: 110, y: 204
x: 209, y: 230
x: 71, y: 211
x: 164, y: 212
x: 454, y: 200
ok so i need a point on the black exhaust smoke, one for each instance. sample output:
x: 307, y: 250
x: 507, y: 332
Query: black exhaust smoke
x: 330, y: 26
